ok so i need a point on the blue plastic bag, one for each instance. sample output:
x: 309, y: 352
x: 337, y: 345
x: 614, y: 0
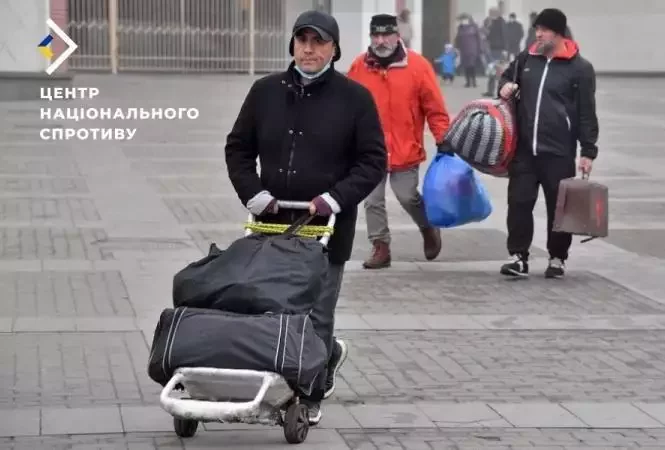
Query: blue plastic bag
x: 453, y: 193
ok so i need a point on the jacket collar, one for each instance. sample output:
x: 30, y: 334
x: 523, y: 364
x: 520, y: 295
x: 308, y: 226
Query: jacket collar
x: 291, y: 78
x: 567, y: 50
x: 401, y: 56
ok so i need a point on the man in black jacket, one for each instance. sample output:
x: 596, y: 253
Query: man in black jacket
x: 318, y: 138
x: 556, y: 109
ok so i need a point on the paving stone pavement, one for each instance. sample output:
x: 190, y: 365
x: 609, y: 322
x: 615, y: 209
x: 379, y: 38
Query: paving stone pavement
x: 412, y: 439
x: 444, y: 354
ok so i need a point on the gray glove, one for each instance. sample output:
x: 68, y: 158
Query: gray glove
x: 262, y: 203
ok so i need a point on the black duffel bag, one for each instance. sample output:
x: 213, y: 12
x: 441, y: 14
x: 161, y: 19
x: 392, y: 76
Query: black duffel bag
x: 256, y: 274
x: 280, y: 343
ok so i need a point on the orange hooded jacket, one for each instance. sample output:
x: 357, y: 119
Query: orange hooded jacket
x: 407, y: 94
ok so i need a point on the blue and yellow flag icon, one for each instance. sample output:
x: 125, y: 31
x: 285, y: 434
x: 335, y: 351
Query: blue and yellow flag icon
x: 44, y: 48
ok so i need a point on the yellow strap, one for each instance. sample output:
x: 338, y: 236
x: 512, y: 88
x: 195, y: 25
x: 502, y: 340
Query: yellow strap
x: 312, y: 231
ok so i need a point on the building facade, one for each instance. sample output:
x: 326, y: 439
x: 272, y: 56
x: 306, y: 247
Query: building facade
x: 251, y: 36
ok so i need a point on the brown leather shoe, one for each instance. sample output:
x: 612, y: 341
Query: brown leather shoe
x: 431, y: 242
x: 380, y: 257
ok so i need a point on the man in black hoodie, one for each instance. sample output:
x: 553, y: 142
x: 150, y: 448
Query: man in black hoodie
x: 556, y: 109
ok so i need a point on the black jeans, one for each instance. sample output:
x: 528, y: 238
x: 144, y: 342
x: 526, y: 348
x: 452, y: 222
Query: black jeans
x: 323, y: 319
x: 527, y: 173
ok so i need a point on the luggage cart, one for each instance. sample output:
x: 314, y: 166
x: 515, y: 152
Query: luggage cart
x: 201, y: 394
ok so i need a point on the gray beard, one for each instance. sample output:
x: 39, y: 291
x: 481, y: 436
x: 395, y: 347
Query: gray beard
x: 384, y: 52
x: 545, y: 48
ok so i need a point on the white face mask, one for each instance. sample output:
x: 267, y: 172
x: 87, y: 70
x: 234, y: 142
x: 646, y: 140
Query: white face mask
x: 314, y: 76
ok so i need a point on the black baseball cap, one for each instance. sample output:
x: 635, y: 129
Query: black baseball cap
x: 320, y: 22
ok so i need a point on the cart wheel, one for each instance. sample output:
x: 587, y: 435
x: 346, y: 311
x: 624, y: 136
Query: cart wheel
x: 185, y: 428
x: 296, y: 423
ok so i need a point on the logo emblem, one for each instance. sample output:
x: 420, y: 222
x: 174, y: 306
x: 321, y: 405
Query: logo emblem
x: 45, y: 49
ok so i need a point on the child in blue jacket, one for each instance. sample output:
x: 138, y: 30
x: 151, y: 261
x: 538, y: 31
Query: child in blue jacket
x: 448, y: 63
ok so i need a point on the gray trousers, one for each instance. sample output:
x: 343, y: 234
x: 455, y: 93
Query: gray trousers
x: 323, y: 319
x: 404, y: 184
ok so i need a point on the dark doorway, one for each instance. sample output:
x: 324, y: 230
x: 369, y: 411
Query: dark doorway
x: 436, y: 27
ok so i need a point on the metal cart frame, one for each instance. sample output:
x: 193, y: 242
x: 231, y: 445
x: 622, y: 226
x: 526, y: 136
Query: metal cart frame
x: 237, y: 396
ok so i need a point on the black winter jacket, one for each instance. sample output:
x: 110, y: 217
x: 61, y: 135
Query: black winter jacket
x: 324, y: 137
x: 557, y: 102
x: 497, y: 34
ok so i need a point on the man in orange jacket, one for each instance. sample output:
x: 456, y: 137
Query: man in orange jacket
x: 407, y: 94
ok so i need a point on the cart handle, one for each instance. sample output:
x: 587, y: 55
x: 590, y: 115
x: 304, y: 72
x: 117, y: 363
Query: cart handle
x: 326, y: 231
x: 213, y: 411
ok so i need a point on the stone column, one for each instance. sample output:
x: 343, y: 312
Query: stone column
x: 22, y: 66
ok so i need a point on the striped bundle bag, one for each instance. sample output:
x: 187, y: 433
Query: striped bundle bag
x: 484, y: 134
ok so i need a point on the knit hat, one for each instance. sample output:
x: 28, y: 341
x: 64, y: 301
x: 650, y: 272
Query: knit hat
x: 383, y: 24
x: 320, y: 22
x: 552, y: 19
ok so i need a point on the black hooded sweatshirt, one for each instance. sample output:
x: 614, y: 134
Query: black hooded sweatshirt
x: 557, y: 102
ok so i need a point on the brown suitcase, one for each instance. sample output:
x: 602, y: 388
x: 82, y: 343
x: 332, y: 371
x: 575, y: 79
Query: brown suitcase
x: 582, y: 208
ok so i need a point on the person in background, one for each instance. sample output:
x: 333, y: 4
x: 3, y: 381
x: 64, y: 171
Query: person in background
x: 448, y: 63
x: 500, y: 66
x: 318, y: 138
x: 495, y: 35
x: 556, y: 109
x: 514, y: 36
x: 468, y: 41
x: 501, y: 6
x: 407, y: 93
x: 404, y: 26
x: 531, y: 33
